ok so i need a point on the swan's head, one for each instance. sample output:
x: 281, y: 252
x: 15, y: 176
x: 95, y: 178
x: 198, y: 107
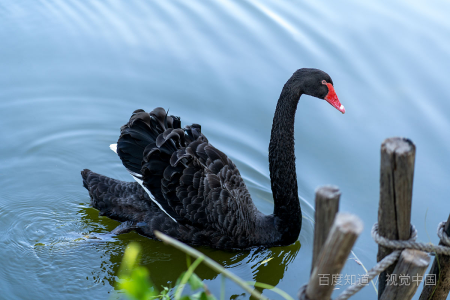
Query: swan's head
x: 318, y: 84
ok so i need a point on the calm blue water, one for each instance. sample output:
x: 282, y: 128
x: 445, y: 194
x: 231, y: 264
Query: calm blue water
x: 71, y: 73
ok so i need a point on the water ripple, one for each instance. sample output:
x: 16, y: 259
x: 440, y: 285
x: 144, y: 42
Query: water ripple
x: 73, y: 71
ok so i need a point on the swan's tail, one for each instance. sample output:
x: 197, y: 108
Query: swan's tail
x: 141, y: 135
x: 118, y: 200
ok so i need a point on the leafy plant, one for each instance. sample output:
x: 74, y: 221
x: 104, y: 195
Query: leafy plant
x: 135, y: 281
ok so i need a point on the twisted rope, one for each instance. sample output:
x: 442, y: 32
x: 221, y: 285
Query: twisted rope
x: 374, y: 272
x: 391, y: 258
x: 414, y: 245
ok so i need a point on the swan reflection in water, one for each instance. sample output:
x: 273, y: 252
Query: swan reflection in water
x: 165, y: 263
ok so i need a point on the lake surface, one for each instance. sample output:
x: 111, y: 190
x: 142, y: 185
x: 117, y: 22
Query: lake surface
x: 72, y: 72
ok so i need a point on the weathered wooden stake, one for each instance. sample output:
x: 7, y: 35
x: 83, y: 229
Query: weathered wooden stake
x: 327, y: 206
x: 396, y: 182
x: 441, y: 272
x: 408, y: 275
x: 343, y: 234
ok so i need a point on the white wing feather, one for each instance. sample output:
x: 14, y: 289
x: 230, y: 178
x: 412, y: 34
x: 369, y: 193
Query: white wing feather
x: 136, y: 176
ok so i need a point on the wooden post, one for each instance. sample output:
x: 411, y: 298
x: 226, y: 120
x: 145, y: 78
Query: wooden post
x: 408, y: 275
x: 396, y: 181
x: 327, y: 206
x: 440, y: 270
x: 343, y: 234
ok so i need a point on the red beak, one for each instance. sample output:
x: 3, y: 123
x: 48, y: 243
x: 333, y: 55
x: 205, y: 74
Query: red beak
x: 332, y: 98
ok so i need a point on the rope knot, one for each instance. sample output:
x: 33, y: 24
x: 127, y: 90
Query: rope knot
x: 393, y: 244
x: 443, y: 235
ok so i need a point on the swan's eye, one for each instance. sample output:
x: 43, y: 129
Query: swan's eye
x: 324, y: 82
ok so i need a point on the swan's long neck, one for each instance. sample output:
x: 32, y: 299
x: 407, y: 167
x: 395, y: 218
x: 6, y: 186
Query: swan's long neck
x: 283, y: 177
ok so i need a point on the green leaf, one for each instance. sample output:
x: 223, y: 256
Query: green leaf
x: 138, y: 285
x: 185, y: 277
x: 195, y: 282
x: 196, y: 296
x: 205, y: 296
x: 133, y: 279
x: 130, y: 259
x: 177, y: 283
x: 211, y: 297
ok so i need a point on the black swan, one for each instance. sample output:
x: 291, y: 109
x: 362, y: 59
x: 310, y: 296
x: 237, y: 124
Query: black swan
x: 189, y: 190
